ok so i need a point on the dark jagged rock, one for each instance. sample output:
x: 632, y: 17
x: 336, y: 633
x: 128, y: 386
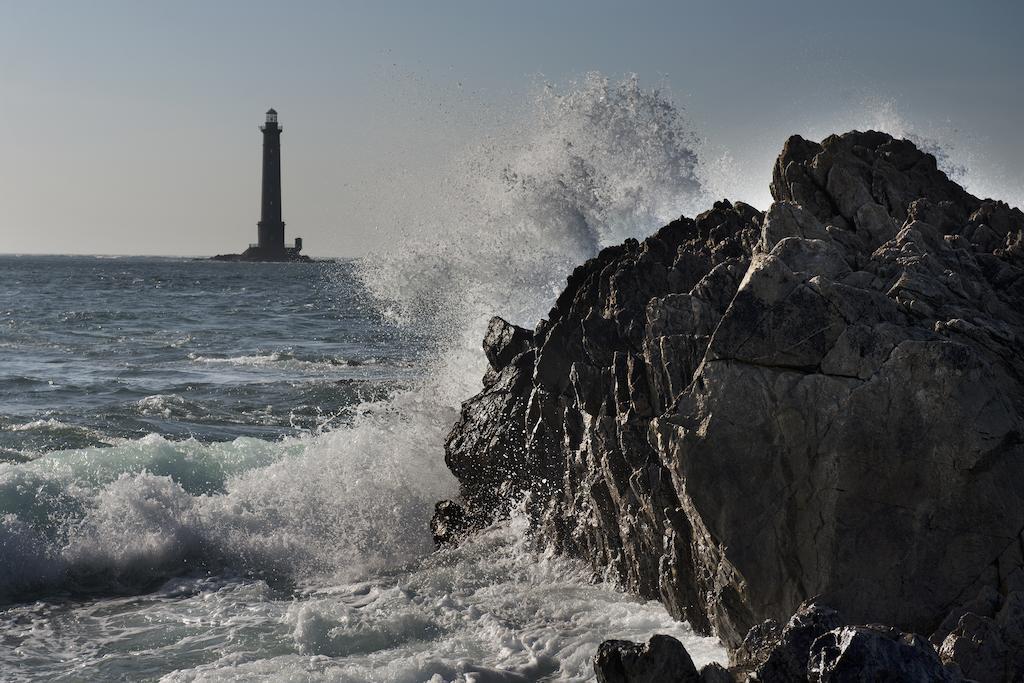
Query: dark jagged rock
x: 450, y: 523
x: 758, y: 645
x: 716, y: 673
x: 869, y: 654
x: 778, y: 655
x: 662, y: 659
x: 485, y: 449
x: 977, y: 647
x: 985, y: 636
x: 1010, y: 620
x: 747, y: 410
x: 503, y: 342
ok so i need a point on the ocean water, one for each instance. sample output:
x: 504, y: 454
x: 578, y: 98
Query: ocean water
x: 97, y: 350
x: 222, y: 471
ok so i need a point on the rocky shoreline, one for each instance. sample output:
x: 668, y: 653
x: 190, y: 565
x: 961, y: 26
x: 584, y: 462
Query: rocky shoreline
x: 749, y: 411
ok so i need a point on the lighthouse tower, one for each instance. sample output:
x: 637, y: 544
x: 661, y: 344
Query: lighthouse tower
x: 271, y: 227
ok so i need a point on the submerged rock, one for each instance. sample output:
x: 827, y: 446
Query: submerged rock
x: 748, y: 410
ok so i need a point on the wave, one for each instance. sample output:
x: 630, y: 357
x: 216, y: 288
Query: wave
x: 33, y: 425
x: 285, y: 360
x: 20, y: 441
x: 333, y: 505
x: 52, y: 427
x: 97, y: 316
x: 166, y: 406
x: 508, y: 220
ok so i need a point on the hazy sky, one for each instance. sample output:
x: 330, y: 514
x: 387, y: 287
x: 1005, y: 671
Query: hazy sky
x: 131, y: 127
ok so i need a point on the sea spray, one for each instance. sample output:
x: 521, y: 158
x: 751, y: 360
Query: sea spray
x: 589, y: 166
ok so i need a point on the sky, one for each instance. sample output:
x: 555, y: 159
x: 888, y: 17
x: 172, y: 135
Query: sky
x: 132, y: 127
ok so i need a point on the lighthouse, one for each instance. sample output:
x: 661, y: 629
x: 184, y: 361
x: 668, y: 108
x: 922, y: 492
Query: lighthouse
x: 270, y: 228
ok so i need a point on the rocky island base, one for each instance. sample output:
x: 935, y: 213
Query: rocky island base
x: 258, y: 255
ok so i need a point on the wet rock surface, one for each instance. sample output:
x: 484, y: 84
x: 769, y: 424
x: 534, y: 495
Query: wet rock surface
x: 662, y: 659
x: 814, y: 645
x: 748, y: 410
x: 875, y: 653
x: 774, y: 654
x: 980, y: 640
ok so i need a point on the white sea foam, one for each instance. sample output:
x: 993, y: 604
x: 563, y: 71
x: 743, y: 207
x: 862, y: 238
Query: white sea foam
x: 335, y: 505
x: 283, y: 361
x: 47, y: 424
x: 492, y: 610
x: 164, y: 405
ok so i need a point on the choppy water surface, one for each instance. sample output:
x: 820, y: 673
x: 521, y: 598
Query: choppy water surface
x: 215, y: 471
x: 93, y: 350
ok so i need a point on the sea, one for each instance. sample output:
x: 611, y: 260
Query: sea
x: 224, y: 471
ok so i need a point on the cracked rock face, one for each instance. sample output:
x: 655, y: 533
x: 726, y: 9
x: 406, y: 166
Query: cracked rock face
x: 748, y: 410
x: 875, y: 653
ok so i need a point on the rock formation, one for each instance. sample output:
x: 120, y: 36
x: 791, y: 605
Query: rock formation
x: 817, y: 645
x: 745, y: 411
x: 662, y: 659
x: 813, y: 646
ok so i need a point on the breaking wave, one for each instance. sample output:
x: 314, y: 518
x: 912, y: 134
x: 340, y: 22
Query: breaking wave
x: 338, y: 505
x: 284, y: 360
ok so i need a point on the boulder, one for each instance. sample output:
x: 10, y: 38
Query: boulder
x: 716, y: 673
x: 874, y: 654
x: 778, y: 655
x: 662, y: 659
x: 984, y: 637
x: 976, y: 646
x: 757, y: 646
